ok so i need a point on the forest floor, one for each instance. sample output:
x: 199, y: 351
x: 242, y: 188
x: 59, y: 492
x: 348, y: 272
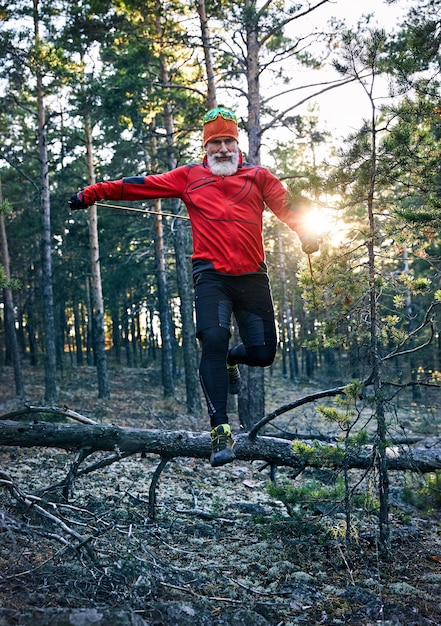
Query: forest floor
x: 224, y: 548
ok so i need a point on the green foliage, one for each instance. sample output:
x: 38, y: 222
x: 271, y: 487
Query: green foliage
x: 318, y: 454
x: 5, y: 207
x: 6, y: 283
x: 412, y: 150
x: 428, y: 495
x: 297, y: 525
x: 415, y: 47
x: 360, y: 439
x: 308, y: 494
x: 304, y: 451
x: 3, y: 279
x: 333, y: 288
x: 343, y: 410
x: 353, y: 389
x: 367, y: 501
x: 333, y: 415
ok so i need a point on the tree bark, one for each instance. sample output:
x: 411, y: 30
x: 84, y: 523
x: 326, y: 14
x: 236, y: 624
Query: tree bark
x: 381, y: 456
x: 189, y: 345
x: 208, y: 57
x: 289, y: 326
x: 10, y: 332
x: 97, y: 292
x: 168, y: 380
x: 253, y: 84
x: 251, y: 399
x: 78, y: 340
x: 46, y: 251
x: 197, y: 445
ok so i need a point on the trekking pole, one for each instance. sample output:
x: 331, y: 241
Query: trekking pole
x: 134, y: 210
x: 314, y: 301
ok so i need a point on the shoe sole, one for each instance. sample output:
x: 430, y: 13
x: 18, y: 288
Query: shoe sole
x: 222, y: 458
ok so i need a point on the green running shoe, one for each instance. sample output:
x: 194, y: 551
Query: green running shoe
x: 222, y: 444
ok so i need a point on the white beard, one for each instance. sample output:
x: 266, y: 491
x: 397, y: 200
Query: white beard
x: 223, y: 168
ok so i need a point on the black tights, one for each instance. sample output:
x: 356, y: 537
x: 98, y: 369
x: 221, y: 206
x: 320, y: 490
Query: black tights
x: 213, y: 372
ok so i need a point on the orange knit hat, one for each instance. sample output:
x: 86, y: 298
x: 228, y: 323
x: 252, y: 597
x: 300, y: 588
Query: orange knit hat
x: 220, y: 122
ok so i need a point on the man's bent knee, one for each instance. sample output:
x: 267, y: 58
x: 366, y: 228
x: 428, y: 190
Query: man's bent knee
x: 262, y: 356
x: 214, y: 339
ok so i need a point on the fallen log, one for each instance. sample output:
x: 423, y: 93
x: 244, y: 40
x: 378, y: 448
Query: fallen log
x: 179, y: 443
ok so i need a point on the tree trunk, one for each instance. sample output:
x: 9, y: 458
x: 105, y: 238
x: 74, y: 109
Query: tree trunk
x: 253, y: 84
x: 206, y: 44
x: 11, y: 340
x: 251, y: 400
x: 164, y: 312
x: 287, y: 313
x: 189, y: 345
x: 416, y: 390
x: 381, y: 460
x: 30, y: 321
x: 97, y: 293
x: 77, y: 331
x: 46, y: 252
x: 185, y: 290
x: 89, y: 329
x: 126, y: 337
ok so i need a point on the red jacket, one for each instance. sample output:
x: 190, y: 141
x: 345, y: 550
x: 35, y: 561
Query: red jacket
x: 225, y: 212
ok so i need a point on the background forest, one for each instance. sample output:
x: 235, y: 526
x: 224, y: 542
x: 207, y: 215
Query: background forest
x: 102, y: 89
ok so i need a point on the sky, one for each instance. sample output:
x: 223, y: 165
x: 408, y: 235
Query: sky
x: 345, y: 107
x: 340, y: 111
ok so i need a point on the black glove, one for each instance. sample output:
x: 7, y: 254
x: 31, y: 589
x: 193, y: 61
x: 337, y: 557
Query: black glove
x: 310, y: 244
x: 76, y: 201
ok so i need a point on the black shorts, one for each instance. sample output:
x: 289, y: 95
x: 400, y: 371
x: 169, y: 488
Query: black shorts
x: 247, y: 297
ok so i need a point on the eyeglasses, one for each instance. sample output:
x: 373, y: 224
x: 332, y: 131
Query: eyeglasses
x: 214, y: 114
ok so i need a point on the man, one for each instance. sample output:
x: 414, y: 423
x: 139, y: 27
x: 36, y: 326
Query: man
x: 225, y: 200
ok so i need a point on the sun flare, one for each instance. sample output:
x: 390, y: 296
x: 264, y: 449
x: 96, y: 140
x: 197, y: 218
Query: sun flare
x: 326, y: 224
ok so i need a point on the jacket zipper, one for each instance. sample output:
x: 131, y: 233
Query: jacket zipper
x: 233, y: 229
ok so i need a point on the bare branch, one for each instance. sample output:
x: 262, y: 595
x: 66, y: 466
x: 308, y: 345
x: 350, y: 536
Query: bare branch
x: 428, y: 321
x: 328, y: 393
x: 154, y: 484
x: 290, y: 19
x: 44, y: 409
x: 31, y: 502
